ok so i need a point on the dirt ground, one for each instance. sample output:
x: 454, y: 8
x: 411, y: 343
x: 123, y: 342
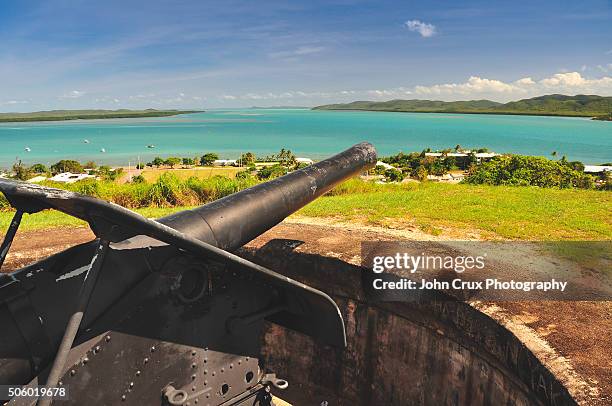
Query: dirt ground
x: 572, y: 338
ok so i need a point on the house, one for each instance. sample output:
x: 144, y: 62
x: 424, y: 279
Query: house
x: 597, y: 168
x: 480, y: 156
x: 67, y: 177
x: 306, y: 161
x: 385, y: 165
x: 225, y: 162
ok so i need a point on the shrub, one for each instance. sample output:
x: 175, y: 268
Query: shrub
x: 67, y: 165
x: 519, y: 170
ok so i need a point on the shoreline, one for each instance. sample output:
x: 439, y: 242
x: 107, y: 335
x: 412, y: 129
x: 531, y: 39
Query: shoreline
x: 583, y: 116
x: 101, y: 115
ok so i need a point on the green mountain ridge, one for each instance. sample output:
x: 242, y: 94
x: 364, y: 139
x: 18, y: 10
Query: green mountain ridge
x: 598, y: 107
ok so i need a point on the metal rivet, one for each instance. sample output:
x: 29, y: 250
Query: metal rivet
x: 131, y: 384
x: 123, y: 397
x: 85, y: 360
x: 193, y: 353
x: 195, y: 401
x: 137, y: 373
x: 205, y: 371
x: 231, y: 366
x: 193, y: 377
x: 153, y: 349
x: 72, y: 372
x: 193, y: 388
x: 205, y: 382
x: 60, y: 383
x: 107, y: 338
x: 146, y: 360
x: 193, y: 365
x: 205, y: 360
x: 213, y: 374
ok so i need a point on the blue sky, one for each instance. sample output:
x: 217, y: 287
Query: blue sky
x: 200, y: 54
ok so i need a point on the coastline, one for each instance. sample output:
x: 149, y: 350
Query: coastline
x: 96, y: 115
x: 498, y: 113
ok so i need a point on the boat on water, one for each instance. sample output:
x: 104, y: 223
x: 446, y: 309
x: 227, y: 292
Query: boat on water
x: 27, y: 149
x: 102, y: 150
x: 151, y: 146
x: 86, y: 141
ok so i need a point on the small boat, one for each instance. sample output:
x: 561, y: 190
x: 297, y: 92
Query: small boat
x: 102, y: 150
x: 86, y: 141
x: 151, y: 146
x: 27, y: 149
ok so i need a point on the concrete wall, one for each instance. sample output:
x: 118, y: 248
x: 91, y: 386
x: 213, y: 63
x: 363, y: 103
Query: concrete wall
x: 437, y: 352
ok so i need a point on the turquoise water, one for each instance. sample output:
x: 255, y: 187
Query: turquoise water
x: 314, y: 134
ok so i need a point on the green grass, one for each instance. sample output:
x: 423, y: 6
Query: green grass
x: 152, y: 174
x: 502, y: 211
x: 52, y: 219
x: 524, y: 213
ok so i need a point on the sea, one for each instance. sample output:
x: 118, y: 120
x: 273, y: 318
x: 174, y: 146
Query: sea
x: 307, y: 133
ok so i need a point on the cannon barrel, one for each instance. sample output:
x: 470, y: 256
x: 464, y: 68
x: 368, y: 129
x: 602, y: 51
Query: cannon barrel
x: 235, y: 220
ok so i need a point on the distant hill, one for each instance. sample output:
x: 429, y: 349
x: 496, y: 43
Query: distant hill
x: 551, y: 105
x: 61, y: 115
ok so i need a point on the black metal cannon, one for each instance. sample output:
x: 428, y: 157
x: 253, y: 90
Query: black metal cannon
x: 161, y: 312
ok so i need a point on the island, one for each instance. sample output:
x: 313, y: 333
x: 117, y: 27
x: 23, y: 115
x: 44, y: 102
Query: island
x: 596, y: 107
x: 63, y: 115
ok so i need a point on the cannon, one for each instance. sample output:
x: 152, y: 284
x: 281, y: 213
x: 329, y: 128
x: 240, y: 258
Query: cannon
x: 161, y: 312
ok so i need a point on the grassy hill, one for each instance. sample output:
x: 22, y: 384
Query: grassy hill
x: 61, y: 115
x: 550, y: 105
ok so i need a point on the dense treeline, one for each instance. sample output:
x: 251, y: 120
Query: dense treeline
x: 550, y: 105
x: 520, y: 170
x: 63, y: 115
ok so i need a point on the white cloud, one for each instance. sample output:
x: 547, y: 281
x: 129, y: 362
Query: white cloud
x: 474, y: 84
x: 297, y: 52
x: 475, y: 87
x: 13, y: 102
x: 426, y: 30
x: 75, y: 94
x: 566, y: 83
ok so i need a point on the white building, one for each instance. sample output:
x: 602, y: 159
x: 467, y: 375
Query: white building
x: 385, y: 165
x: 67, y: 177
x: 597, y: 168
x: 225, y: 162
x: 307, y: 161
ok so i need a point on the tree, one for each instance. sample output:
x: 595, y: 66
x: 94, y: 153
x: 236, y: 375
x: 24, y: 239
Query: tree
x: 286, y: 157
x: 394, y: 175
x: 21, y: 171
x: 457, y: 148
x: 421, y: 173
x: 138, y: 179
x: 247, y: 159
x: 105, y: 172
x: 39, y: 168
x: 208, y: 159
x: 67, y: 165
x: 90, y: 165
x: 158, y: 161
x: 140, y: 166
x: 188, y: 161
x: 172, y: 162
x: 270, y: 172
